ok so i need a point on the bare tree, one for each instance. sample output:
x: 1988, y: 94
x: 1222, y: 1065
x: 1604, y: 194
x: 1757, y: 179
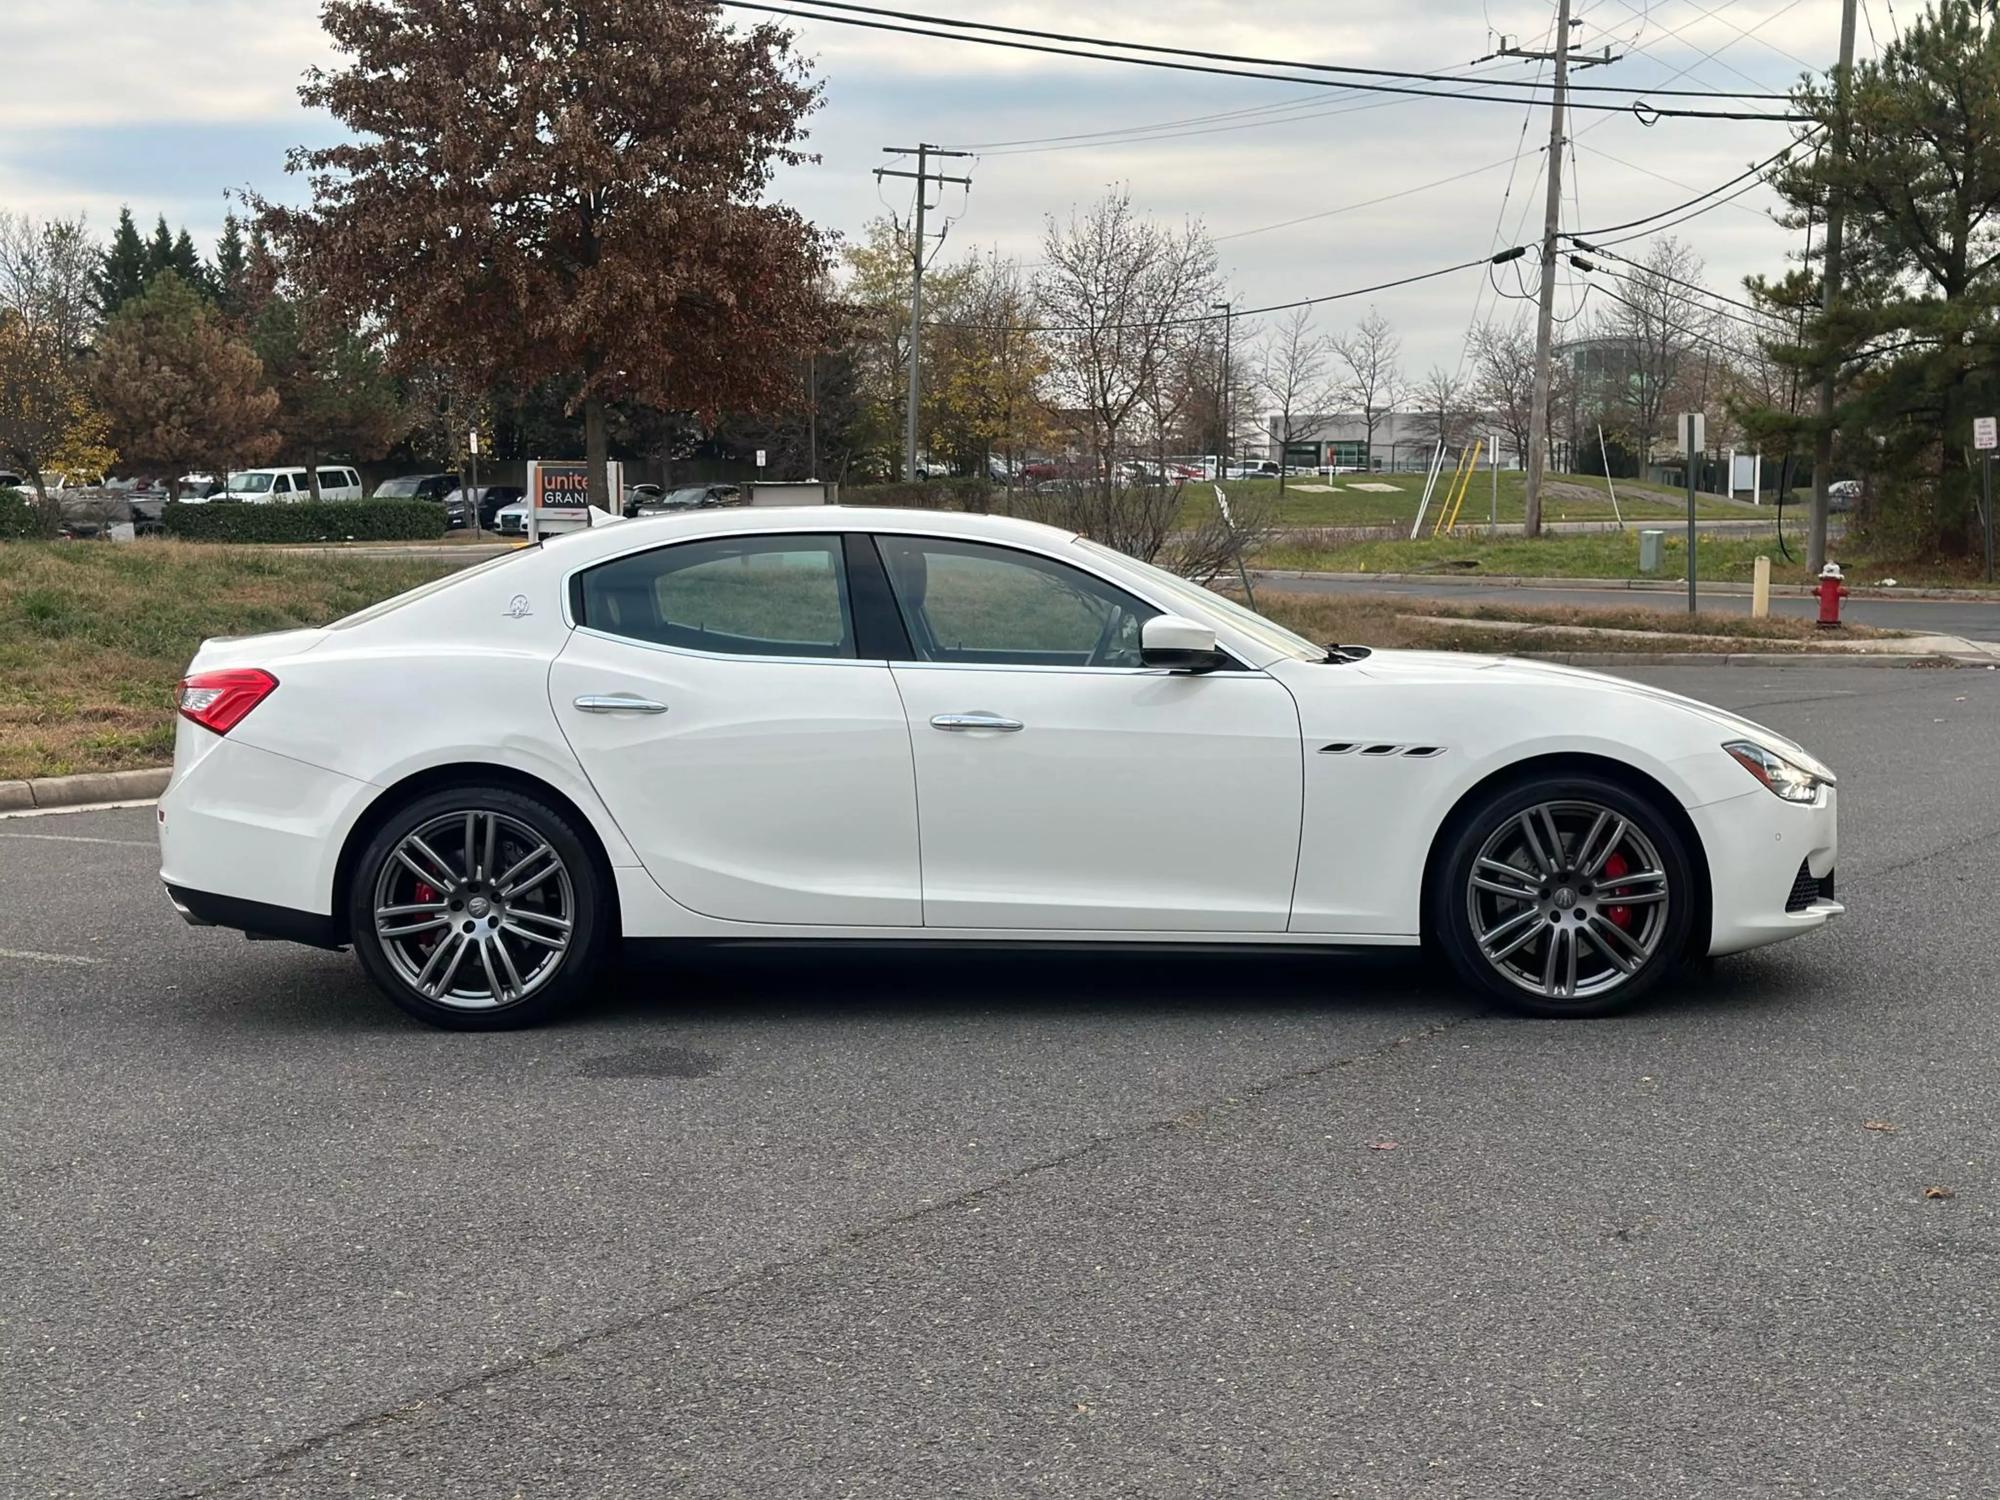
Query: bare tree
x: 1503, y: 380
x: 1440, y: 399
x: 1373, y: 374
x: 1658, y: 329
x: 1295, y: 378
x: 1121, y: 300
x: 45, y: 278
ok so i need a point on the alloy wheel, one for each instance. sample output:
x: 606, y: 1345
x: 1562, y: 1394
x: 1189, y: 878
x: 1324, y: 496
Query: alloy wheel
x: 474, y: 909
x: 1568, y: 900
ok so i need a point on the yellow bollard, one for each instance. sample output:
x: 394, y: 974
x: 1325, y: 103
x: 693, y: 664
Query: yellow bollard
x: 1760, y: 589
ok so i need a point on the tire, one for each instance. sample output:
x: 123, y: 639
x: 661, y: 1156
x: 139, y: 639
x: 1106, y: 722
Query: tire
x: 1535, y: 923
x: 490, y: 929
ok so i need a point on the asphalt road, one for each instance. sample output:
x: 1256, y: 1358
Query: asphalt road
x: 1975, y: 619
x: 1033, y: 1226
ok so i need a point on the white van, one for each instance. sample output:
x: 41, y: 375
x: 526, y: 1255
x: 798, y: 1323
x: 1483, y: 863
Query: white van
x: 265, y: 486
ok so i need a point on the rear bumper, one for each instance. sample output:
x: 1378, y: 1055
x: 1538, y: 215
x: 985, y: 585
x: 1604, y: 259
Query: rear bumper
x: 256, y: 919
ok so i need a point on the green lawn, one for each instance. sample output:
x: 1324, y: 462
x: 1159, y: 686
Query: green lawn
x: 1566, y: 497
x: 93, y: 636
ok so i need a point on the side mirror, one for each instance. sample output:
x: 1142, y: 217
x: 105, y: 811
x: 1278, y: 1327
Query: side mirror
x: 1178, y: 644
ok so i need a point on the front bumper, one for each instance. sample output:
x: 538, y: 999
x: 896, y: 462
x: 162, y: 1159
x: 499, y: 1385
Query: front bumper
x: 1756, y: 845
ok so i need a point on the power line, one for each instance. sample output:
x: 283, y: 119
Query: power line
x: 1632, y: 166
x: 1248, y: 312
x: 1348, y: 208
x: 1693, y: 286
x: 1232, y: 57
x: 1752, y: 172
x: 1637, y: 107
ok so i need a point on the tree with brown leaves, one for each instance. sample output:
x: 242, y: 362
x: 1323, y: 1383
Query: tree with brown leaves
x: 573, y: 187
x: 179, y: 388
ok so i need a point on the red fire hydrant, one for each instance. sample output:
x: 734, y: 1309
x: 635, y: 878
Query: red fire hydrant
x: 1831, y: 592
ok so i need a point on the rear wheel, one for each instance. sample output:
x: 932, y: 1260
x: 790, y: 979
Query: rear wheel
x: 479, y: 908
x: 1565, y: 896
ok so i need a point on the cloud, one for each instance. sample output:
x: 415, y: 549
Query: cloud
x: 166, y: 103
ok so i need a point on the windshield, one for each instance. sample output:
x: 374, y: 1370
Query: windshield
x: 249, y: 484
x: 394, y: 489
x: 1264, y: 632
x: 691, y: 496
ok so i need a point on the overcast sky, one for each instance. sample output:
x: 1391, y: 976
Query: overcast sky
x: 164, y: 104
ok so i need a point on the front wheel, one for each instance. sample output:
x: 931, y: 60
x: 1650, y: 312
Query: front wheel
x: 1564, y: 896
x: 479, y: 909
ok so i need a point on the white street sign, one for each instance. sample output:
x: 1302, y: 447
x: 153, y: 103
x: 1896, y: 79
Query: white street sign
x: 473, y: 436
x: 760, y: 458
x: 1985, y: 432
x: 1693, y: 432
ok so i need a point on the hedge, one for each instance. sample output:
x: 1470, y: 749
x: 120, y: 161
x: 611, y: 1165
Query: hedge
x: 926, y: 494
x: 17, y: 516
x: 305, y: 521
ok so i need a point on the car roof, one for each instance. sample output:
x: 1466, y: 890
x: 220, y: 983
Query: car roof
x: 754, y: 519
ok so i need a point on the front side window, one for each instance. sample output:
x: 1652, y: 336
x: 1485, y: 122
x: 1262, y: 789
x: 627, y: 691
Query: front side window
x: 744, y: 596
x: 282, y: 485
x: 974, y: 604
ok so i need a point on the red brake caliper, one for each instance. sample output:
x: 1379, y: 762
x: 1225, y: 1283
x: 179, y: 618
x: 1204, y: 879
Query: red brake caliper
x: 1616, y: 865
x: 425, y: 894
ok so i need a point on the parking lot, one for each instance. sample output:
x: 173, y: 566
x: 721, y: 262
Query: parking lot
x: 1055, y: 1225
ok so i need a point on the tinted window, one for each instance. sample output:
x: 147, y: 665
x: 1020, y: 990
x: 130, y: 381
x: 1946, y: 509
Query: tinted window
x: 970, y: 603
x: 753, y: 596
x: 333, y: 479
x: 281, y: 485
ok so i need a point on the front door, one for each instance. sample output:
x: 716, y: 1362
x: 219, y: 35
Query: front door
x: 759, y: 768
x: 1062, y: 785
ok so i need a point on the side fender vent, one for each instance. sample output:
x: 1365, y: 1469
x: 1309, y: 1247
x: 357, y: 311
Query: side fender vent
x: 1424, y: 752
x: 1381, y: 749
x: 1339, y: 747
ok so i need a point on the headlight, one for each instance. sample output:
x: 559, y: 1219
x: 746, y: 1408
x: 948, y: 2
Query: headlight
x: 1794, y: 783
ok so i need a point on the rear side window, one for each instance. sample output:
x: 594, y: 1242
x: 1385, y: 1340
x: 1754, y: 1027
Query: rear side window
x: 743, y: 596
x: 333, y: 479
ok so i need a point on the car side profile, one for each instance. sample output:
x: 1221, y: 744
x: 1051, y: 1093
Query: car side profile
x: 830, y: 724
x: 265, y: 486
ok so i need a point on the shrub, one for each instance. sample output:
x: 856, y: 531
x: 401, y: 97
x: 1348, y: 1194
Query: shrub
x: 17, y: 516
x: 927, y: 494
x: 304, y: 521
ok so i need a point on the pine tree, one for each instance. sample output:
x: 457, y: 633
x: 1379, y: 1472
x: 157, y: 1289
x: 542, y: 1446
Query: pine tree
x: 187, y: 264
x: 160, y: 249
x: 123, y: 273
x: 231, y: 268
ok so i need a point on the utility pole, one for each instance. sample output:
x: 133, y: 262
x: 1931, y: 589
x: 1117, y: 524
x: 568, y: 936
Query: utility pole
x: 1836, y: 216
x: 1538, y: 437
x: 923, y: 177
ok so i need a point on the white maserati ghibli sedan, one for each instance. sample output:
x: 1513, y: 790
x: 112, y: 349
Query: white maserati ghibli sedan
x: 832, y: 724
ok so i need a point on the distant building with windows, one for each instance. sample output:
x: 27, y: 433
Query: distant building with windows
x: 1404, y: 441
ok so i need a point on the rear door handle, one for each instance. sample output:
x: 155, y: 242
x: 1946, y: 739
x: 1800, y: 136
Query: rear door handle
x: 618, y: 703
x: 975, y: 721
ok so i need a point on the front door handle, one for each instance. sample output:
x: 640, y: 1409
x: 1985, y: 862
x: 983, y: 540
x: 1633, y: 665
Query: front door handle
x: 975, y: 721
x: 618, y: 703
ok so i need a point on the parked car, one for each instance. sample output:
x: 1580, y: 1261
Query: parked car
x: 1843, y: 494
x: 442, y: 488
x: 687, y: 497
x: 512, y: 519
x: 829, y: 691
x: 490, y: 499
x: 266, y: 486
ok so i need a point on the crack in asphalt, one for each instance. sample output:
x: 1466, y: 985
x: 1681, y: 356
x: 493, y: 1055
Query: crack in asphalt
x: 279, y: 1463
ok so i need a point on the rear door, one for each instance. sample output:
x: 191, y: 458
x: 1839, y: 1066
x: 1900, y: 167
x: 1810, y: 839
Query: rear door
x: 758, y: 764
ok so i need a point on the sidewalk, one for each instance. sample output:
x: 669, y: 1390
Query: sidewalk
x: 1899, y: 650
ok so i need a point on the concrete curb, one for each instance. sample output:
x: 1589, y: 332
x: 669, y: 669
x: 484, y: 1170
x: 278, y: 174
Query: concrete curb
x: 1635, y: 585
x: 81, y: 791
x: 1745, y: 659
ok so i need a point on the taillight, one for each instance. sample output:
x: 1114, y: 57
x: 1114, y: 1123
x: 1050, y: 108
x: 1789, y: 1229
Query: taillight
x: 218, y: 700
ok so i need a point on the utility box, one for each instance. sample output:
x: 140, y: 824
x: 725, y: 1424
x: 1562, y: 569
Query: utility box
x: 1652, y: 548
x: 793, y: 492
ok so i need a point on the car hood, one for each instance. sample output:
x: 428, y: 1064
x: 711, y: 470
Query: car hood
x: 1454, y: 666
